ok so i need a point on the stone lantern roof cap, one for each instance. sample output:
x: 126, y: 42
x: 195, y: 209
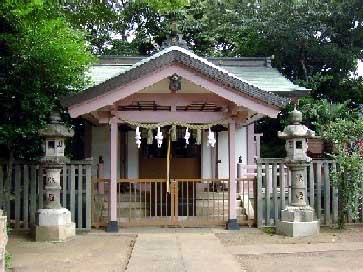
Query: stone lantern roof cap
x: 56, y: 128
x: 295, y: 129
x: 295, y: 116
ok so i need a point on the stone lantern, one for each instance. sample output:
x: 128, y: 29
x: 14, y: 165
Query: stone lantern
x: 54, y: 222
x: 298, y: 218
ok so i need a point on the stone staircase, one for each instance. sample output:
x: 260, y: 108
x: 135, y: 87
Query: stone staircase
x: 211, y: 205
x: 216, y: 205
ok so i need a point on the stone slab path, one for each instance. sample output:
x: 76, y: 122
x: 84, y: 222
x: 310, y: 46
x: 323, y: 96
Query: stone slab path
x: 182, y: 252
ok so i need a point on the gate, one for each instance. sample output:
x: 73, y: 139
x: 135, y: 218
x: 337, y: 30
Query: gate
x: 154, y: 202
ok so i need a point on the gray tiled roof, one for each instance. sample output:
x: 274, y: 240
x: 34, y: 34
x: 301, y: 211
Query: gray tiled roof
x: 252, y: 76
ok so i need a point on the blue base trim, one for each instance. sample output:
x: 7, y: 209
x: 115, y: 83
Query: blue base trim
x: 232, y: 224
x: 112, y: 227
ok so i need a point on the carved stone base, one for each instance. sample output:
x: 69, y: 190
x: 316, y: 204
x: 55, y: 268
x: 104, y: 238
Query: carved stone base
x: 298, y: 229
x: 297, y: 221
x: 54, y: 225
x: 297, y: 214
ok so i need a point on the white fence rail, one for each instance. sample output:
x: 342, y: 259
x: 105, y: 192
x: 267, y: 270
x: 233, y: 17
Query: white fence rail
x: 274, y: 192
x: 22, y: 192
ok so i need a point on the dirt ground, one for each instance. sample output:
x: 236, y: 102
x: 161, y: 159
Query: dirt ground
x: 327, y: 235
x: 335, y: 260
x: 342, y: 261
x: 332, y: 250
x: 87, y: 252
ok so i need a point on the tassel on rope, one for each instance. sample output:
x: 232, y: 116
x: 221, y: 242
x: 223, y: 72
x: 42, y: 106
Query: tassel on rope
x: 211, y: 140
x: 138, y: 137
x: 150, y: 136
x: 187, y: 136
x: 173, y: 133
x: 159, y: 137
x: 199, y: 136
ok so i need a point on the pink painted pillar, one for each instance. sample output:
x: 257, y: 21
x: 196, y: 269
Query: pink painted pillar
x: 251, y: 146
x: 232, y: 223
x: 113, y: 223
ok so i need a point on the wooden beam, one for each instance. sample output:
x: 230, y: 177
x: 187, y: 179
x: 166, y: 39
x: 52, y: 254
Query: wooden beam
x: 162, y: 116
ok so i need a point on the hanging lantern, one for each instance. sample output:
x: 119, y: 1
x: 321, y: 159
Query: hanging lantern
x: 187, y: 136
x: 211, y: 139
x: 150, y: 136
x: 159, y: 137
x: 173, y: 133
x: 138, y: 137
x: 199, y: 136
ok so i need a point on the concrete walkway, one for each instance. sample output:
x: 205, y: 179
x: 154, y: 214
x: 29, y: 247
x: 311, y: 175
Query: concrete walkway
x: 182, y: 252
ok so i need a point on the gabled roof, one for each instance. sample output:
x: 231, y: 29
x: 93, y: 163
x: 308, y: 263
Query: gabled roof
x: 255, y: 80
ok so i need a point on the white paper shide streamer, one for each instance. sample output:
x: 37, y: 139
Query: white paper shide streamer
x: 159, y: 137
x: 187, y: 136
x: 138, y: 137
x: 211, y: 139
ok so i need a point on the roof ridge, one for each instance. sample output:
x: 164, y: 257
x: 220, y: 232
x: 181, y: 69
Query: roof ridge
x: 190, y: 59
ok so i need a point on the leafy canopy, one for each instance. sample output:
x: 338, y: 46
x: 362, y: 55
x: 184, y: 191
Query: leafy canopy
x: 42, y: 58
x: 347, y: 135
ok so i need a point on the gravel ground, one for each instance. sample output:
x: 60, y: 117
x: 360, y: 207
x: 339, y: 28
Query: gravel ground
x: 332, y: 261
x: 327, y: 235
x: 87, y: 252
x: 338, y: 260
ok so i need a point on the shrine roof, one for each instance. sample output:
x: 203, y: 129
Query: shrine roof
x: 253, y: 76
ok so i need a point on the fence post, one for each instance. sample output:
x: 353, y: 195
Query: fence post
x: 311, y: 185
x: 64, y: 186
x: 282, y: 186
x: 80, y: 196
x: 335, y: 198
x: 318, y: 190
x: 274, y: 183
x: 267, y: 194
x: 33, y: 194
x: 88, y: 196
x: 17, y: 195
x: 259, y: 195
x: 26, y: 197
x: 40, y: 187
x: 327, y: 194
x: 73, y: 193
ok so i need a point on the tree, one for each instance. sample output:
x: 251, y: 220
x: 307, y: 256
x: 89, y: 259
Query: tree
x: 123, y: 27
x: 347, y: 135
x: 42, y: 58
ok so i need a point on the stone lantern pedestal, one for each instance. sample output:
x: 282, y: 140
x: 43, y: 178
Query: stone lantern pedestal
x: 298, y: 218
x: 53, y: 223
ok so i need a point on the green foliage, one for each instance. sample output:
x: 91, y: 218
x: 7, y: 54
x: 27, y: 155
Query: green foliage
x: 8, y: 260
x: 42, y: 58
x: 165, y: 5
x: 8, y: 256
x: 269, y: 230
x: 318, y: 113
x: 347, y: 135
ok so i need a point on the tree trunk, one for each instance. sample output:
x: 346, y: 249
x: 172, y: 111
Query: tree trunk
x: 302, y: 61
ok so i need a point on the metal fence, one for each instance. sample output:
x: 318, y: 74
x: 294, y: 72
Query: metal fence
x: 22, y: 192
x: 187, y: 202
